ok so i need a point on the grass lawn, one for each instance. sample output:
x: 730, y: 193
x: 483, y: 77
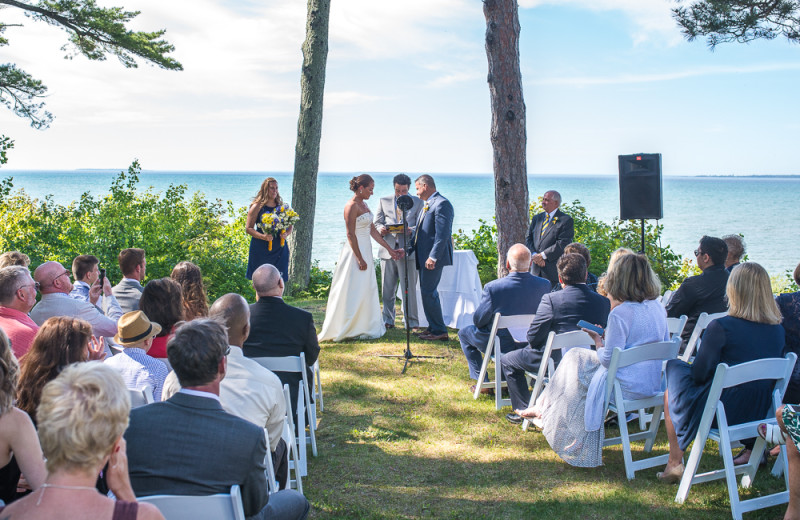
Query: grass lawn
x: 418, y: 446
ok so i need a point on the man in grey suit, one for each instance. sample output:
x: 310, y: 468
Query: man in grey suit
x: 394, y: 271
x: 55, y: 286
x: 433, y: 245
x: 200, y: 449
x: 132, y: 263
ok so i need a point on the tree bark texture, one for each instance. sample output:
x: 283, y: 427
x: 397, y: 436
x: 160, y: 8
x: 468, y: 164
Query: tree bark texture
x: 309, y: 134
x: 508, y: 134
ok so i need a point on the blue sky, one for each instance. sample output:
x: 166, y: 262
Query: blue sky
x: 406, y: 91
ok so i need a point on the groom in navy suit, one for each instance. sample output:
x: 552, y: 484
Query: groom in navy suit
x: 433, y: 244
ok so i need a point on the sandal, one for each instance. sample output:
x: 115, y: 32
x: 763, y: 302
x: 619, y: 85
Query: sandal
x: 771, y: 433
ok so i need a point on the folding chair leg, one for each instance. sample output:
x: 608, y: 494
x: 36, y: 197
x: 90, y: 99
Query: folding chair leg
x: 318, y: 387
x: 691, y: 469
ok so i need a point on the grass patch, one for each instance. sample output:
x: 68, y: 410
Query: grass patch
x: 418, y: 446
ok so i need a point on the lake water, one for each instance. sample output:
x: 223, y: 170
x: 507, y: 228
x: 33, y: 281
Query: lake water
x: 759, y: 208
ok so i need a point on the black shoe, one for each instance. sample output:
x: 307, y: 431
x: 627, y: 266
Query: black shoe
x: 514, y: 418
x: 388, y: 325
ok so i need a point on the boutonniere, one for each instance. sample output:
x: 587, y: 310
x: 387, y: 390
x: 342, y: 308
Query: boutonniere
x: 426, y: 207
x: 555, y: 219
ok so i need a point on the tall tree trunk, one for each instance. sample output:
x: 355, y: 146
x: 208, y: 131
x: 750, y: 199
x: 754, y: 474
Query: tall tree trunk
x: 309, y: 133
x: 508, y: 126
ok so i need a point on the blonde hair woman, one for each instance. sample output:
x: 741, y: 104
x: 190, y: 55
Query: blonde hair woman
x: 571, y: 406
x: 750, y: 331
x: 19, y: 446
x: 615, y: 256
x: 82, y: 416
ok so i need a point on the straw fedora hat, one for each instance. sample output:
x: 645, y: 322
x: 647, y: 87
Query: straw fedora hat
x: 134, y: 327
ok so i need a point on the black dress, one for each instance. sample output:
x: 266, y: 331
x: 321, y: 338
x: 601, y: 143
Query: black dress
x: 9, y: 478
x: 726, y: 340
x: 789, y: 304
x: 260, y: 253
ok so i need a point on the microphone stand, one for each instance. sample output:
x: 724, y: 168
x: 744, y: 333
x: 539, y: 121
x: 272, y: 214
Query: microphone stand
x: 407, y: 355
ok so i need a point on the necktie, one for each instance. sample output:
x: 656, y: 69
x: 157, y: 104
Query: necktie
x: 546, y: 223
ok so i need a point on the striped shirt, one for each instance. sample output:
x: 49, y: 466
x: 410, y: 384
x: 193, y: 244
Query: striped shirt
x: 138, y: 369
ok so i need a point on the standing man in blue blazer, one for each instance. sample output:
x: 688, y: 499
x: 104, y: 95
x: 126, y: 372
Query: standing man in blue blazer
x: 433, y: 245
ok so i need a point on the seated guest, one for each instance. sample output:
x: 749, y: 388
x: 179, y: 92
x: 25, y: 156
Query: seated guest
x: 750, y: 331
x: 133, y: 265
x: 10, y: 258
x: 278, y: 329
x: 559, y: 312
x: 249, y: 390
x: 704, y: 292
x: 137, y: 369
x: 195, y: 301
x: 55, y: 286
x: 85, y: 271
x: 789, y: 428
x: 19, y: 445
x: 17, y: 298
x: 60, y: 342
x: 83, y: 415
x: 736, y: 250
x: 789, y: 305
x: 518, y: 293
x: 202, y: 449
x: 616, y: 255
x: 571, y: 405
x: 162, y: 302
x: 577, y: 247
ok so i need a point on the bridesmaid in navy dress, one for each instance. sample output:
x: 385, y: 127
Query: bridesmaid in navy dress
x: 268, y: 200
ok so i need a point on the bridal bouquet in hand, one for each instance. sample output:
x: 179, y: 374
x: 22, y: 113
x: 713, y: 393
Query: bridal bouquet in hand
x: 277, y: 222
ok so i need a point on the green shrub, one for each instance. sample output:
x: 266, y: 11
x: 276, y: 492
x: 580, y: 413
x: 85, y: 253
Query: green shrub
x: 168, y: 226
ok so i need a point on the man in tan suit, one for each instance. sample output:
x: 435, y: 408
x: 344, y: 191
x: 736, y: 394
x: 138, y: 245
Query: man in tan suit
x: 393, y: 271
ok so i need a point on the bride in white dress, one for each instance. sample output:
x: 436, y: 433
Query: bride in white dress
x: 353, y: 309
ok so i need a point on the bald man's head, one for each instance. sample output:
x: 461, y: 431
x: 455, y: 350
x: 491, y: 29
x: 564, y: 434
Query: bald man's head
x: 267, y: 281
x: 53, y: 278
x: 518, y: 258
x: 232, y: 311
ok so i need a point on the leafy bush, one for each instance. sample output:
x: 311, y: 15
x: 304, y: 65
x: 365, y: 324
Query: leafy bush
x: 600, y: 237
x: 482, y: 242
x: 319, y: 285
x: 168, y: 226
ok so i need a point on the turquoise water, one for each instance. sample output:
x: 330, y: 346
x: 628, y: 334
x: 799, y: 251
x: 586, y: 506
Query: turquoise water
x: 759, y: 208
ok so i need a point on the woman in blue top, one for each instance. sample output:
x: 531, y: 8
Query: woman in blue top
x: 268, y: 200
x: 750, y: 331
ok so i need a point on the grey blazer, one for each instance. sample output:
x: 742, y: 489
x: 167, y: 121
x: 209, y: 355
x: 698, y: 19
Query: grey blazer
x: 128, y: 292
x: 387, y: 215
x: 187, y: 445
x: 60, y: 304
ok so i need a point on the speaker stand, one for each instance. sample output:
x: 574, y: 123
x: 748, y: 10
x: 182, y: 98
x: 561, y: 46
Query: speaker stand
x: 642, y: 251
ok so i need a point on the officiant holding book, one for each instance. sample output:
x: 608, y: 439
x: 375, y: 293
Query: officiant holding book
x: 389, y: 223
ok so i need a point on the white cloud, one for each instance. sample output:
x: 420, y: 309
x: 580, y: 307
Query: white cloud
x: 586, y: 81
x: 653, y: 18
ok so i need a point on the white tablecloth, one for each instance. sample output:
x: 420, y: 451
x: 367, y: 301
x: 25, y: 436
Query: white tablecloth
x: 459, y: 291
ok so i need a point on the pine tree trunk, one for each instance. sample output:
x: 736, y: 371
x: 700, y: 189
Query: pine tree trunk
x: 508, y: 133
x: 309, y: 133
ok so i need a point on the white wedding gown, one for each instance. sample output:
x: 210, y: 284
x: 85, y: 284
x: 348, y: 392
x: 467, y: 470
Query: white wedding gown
x: 353, y: 309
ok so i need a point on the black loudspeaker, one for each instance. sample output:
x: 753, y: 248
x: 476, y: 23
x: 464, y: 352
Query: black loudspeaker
x: 640, y: 187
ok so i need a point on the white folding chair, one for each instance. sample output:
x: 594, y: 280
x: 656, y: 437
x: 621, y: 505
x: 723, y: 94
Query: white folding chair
x: 666, y: 297
x: 226, y: 506
x: 317, y: 387
x: 694, y: 340
x: 297, y: 364
x: 512, y: 323
x: 624, y: 358
x: 675, y: 326
x: 291, y: 444
x: 141, y: 396
x: 576, y: 338
x: 776, y: 369
x: 272, y: 481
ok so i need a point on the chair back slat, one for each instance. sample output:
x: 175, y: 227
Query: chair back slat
x: 517, y: 325
x: 226, y: 506
x: 649, y: 352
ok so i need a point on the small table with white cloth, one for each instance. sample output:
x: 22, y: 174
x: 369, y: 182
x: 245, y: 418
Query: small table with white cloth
x: 459, y: 291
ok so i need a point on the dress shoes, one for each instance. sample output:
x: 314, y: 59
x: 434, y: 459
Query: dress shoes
x: 487, y: 391
x: 388, y: 326
x: 431, y: 336
x: 514, y: 418
x: 418, y: 331
x: 673, y: 476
